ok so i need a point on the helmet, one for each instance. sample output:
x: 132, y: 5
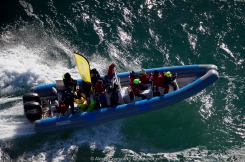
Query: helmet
x: 136, y: 81
x: 168, y: 74
x: 142, y: 72
x: 132, y: 72
x: 67, y: 76
x: 133, y: 75
x: 113, y: 64
x: 100, y: 81
x: 93, y: 71
x: 156, y: 72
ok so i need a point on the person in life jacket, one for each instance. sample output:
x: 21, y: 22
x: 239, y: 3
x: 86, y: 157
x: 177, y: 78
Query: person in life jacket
x: 132, y: 76
x: 86, y: 89
x: 69, y: 81
x: 155, y: 77
x: 159, y: 82
x: 137, y: 89
x: 168, y: 79
x: 144, y: 78
x: 95, y: 76
x: 101, y: 91
x: 114, y: 96
x: 82, y: 103
x: 111, y: 71
x: 68, y: 98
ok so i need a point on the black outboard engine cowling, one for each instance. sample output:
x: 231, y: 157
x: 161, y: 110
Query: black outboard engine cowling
x: 33, y: 111
x: 28, y: 97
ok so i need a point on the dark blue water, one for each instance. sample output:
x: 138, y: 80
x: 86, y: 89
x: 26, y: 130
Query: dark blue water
x: 37, y: 41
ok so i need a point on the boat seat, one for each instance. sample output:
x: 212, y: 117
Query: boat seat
x: 185, y: 81
x: 148, y: 93
x: 126, y: 96
x: 161, y: 89
x: 171, y: 88
x: 120, y: 98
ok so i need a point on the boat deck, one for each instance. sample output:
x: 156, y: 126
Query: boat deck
x: 49, y: 107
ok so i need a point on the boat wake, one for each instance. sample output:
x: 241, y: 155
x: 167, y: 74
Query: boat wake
x: 82, y: 141
x: 12, y: 121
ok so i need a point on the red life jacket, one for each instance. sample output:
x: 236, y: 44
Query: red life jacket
x: 157, y: 79
x: 99, y: 88
x: 136, y: 88
x: 145, y: 78
x: 132, y: 77
x: 111, y: 71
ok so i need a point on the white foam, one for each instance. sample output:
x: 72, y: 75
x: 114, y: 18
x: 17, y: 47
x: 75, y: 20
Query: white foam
x: 98, y: 29
x: 206, y: 109
x: 124, y: 36
x: 28, y: 8
x: 102, y: 137
x: 127, y: 15
x: 197, y: 154
x: 23, y: 65
x: 226, y: 49
x: 11, y: 122
x: 192, y: 38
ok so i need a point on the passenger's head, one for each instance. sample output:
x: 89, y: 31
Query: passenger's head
x: 86, y: 85
x: 132, y: 73
x: 156, y: 72
x: 67, y: 75
x: 142, y: 72
x: 100, y: 81
x: 93, y: 71
x: 136, y: 81
x: 168, y: 74
x: 113, y: 64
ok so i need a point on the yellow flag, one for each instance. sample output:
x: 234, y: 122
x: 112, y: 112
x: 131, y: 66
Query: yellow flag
x: 83, y: 67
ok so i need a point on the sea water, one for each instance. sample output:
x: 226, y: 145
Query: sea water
x: 37, y: 42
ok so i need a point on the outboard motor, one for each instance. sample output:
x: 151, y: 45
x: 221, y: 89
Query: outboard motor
x: 32, y: 107
x: 33, y: 111
x: 28, y: 97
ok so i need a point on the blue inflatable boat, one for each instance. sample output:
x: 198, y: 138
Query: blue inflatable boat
x: 40, y: 105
